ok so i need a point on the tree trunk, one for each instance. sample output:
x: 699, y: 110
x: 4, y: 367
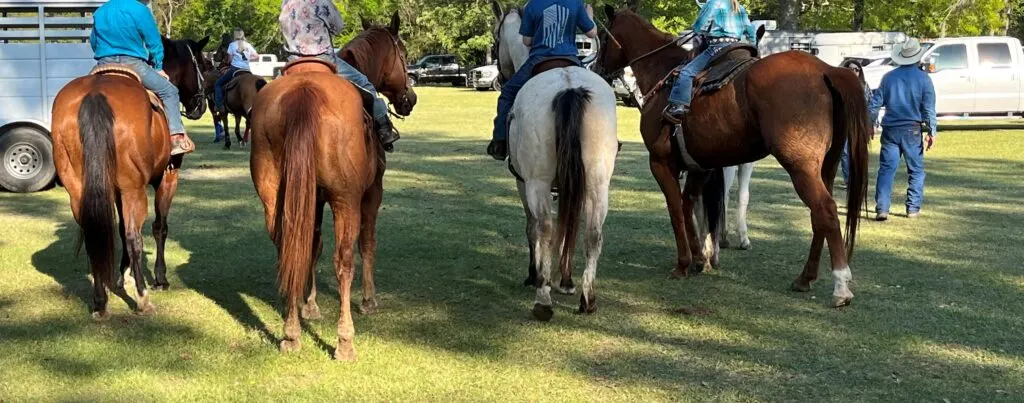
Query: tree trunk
x: 858, y: 15
x: 789, y: 14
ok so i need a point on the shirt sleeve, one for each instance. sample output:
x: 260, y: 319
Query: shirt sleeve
x: 526, y: 28
x: 146, y: 25
x: 877, y: 101
x: 748, y: 28
x: 705, y: 16
x: 928, y: 104
x: 333, y: 18
x: 253, y: 55
x: 583, y: 21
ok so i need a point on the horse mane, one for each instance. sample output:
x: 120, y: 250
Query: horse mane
x: 361, y: 51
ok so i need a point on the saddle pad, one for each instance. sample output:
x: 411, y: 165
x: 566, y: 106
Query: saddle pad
x: 116, y: 70
x: 722, y: 74
x: 309, y: 65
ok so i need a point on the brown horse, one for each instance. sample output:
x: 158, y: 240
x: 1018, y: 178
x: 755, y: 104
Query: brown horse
x: 790, y: 105
x: 239, y: 95
x: 109, y: 142
x: 312, y: 144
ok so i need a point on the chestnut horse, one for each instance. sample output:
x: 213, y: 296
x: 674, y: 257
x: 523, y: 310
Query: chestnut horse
x: 109, y: 143
x: 790, y: 105
x: 313, y: 144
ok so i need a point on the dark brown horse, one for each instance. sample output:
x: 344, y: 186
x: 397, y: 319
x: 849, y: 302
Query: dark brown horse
x: 239, y: 95
x: 790, y: 105
x: 312, y: 145
x: 110, y: 142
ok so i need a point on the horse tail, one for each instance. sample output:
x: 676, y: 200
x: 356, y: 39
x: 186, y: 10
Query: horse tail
x: 850, y: 123
x: 260, y: 83
x: 96, y: 214
x: 714, y: 201
x: 569, y: 106
x: 297, y: 198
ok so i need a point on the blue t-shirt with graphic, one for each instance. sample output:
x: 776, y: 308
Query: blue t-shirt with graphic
x: 552, y: 24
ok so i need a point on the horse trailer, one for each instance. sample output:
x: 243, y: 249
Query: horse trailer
x: 43, y: 46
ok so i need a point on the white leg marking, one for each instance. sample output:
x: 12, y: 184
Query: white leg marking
x: 842, y: 280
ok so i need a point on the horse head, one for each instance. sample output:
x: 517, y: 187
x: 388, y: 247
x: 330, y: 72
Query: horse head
x: 629, y: 39
x: 379, y: 52
x: 185, y: 64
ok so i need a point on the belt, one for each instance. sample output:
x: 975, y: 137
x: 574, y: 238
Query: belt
x: 723, y: 39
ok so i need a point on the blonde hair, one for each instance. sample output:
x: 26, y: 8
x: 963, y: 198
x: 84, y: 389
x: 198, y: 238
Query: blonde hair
x: 736, y: 5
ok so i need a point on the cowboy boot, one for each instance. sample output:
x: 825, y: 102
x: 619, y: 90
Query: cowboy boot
x: 388, y: 135
x: 498, y: 149
x: 674, y: 113
x: 181, y: 144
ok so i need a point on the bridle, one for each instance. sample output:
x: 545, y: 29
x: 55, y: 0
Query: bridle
x: 404, y: 98
x: 200, y: 97
x: 679, y: 41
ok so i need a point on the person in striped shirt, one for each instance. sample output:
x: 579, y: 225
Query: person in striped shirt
x: 723, y: 22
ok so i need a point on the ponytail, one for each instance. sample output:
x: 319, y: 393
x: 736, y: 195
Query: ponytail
x: 736, y: 5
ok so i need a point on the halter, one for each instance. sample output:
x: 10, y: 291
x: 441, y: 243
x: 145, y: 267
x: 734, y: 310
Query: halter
x: 199, y: 97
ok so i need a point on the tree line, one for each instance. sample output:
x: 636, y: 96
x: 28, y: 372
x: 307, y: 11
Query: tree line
x: 463, y: 27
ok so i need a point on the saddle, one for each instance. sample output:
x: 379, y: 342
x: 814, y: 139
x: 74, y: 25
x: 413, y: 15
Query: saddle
x: 234, y: 79
x: 724, y: 67
x: 309, y: 65
x: 121, y: 70
x: 551, y: 63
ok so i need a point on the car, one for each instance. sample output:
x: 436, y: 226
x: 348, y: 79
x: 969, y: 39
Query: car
x: 626, y: 89
x: 485, y: 78
x: 266, y: 66
x: 438, y: 69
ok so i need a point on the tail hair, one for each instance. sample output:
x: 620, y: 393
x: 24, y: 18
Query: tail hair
x: 96, y: 214
x: 569, y: 106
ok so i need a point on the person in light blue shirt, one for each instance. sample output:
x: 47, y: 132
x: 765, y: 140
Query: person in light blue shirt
x: 124, y: 32
x: 724, y: 22
x: 908, y: 96
x: 549, y: 29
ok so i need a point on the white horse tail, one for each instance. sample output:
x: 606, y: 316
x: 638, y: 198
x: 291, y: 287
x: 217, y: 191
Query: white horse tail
x: 569, y: 106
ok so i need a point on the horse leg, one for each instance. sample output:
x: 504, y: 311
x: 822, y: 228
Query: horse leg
x: 310, y: 309
x: 730, y: 177
x: 247, y: 133
x: 227, y: 136
x: 238, y: 129
x: 596, y: 210
x: 746, y: 171
x: 538, y: 199
x: 531, y: 237
x: 368, y: 244
x: 814, y: 192
x: 691, y: 193
x: 346, y: 229
x: 125, y: 261
x: 134, y: 204
x: 668, y: 181
x: 165, y: 190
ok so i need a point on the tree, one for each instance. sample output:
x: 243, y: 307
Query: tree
x: 789, y: 14
x: 164, y: 11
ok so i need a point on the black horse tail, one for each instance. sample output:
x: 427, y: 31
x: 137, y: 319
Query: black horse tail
x: 714, y: 202
x: 96, y: 214
x: 260, y: 83
x: 569, y: 106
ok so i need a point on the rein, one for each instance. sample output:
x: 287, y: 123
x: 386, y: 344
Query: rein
x: 679, y: 41
x: 200, y: 96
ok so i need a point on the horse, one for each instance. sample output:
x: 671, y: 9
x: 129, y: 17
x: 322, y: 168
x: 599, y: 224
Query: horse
x: 110, y: 141
x: 790, y: 105
x: 743, y: 172
x: 313, y: 144
x: 239, y: 94
x: 562, y: 130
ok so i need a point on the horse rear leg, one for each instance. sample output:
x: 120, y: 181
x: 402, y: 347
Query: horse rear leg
x: 238, y: 129
x: 746, y: 171
x: 310, y: 309
x: 810, y: 273
x: 227, y: 136
x: 165, y: 190
x: 531, y: 238
x: 134, y: 204
x: 730, y: 177
x: 813, y: 190
x: 538, y: 200
x: 346, y: 229
x: 368, y: 244
x: 596, y: 210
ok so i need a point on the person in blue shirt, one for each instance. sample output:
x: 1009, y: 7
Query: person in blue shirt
x: 908, y: 96
x: 723, y: 22
x: 549, y: 29
x: 239, y: 53
x: 124, y: 32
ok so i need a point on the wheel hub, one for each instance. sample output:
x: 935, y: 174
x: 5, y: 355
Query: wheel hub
x: 22, y: 161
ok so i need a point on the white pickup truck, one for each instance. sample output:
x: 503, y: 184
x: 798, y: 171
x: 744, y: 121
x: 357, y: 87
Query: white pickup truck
x: 973, y: 76
x: 266, y: 66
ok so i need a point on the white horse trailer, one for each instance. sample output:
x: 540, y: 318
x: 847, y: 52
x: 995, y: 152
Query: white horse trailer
x: 831, y: 47
x: 43, y: 46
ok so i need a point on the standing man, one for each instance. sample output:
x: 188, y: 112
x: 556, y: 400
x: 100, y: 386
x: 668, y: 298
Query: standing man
x: 908, y: 96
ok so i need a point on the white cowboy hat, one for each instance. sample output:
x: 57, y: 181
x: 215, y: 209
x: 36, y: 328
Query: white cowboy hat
x: 909, y: 52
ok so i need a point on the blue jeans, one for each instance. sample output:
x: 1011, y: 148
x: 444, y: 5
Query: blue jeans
x: 509, y: 90
x: 167, y: 92
x: 896, y: 142
x: 682, y: 90
x: 218, y: 87
x: 844, y: 162
x: 354, y: 76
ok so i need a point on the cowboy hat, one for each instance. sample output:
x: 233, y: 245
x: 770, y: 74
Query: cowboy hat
x: 906, y: 53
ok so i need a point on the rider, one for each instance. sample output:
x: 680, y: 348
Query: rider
x: 723, y: 22
x: 549, y: 29
x: 308, y: 26
x: 241, y: 53
x: 125, y: 33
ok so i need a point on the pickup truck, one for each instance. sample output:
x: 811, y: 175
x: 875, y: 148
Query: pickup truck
x: 973, y: 76
x: 438, y: 69
x: 266, y: 66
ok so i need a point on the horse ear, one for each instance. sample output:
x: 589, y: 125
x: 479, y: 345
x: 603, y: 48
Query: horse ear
x: 202, y: 44
x: 609, y: 12
x: 366, y: 24
x: 760, y: 34
x: 632, y: 5
x: 496, y: 8
x: 396, y: 23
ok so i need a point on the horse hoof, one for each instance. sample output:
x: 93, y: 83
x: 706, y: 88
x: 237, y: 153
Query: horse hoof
x: 543, y: 313
x: 368, y: 307
x: 148, y: 309
x: 311, y: 312
x: 587, y: 307
x: 800, y: 286
x: 101, y: 316
x: 724, y: 243
x: 841, y: 301
x: 346, y: 353
x: 289, y: 346
x: 745, y: 244
x: 566, y: 291
x: 677, y: 275
x: 161, y: 287
x: 530, y: 282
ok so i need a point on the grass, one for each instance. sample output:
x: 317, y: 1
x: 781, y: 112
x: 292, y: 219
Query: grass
x: 938, y: 313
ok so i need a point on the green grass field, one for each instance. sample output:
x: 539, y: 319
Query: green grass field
x: 938, y: 313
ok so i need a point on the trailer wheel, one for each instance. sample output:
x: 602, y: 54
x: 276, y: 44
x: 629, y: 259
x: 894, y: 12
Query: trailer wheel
x: 27, y: 164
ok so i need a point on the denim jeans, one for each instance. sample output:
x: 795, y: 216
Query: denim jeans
x: 844, y: 162
x: 897, y: 142
x: 218, y: 87
x: 167, y: 92
x: 509, y: 90
x: 682, y: 90
x: 354, y: 76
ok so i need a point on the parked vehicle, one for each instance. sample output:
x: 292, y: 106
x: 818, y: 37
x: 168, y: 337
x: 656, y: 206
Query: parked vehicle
x: 266, y: 66
x: 973, y: 76
x: 438, y: 69
x: 832, y: 47
x: 43, y: 46
x: 870, y: 59
x: 626, y: 89
x: 485, y: 78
